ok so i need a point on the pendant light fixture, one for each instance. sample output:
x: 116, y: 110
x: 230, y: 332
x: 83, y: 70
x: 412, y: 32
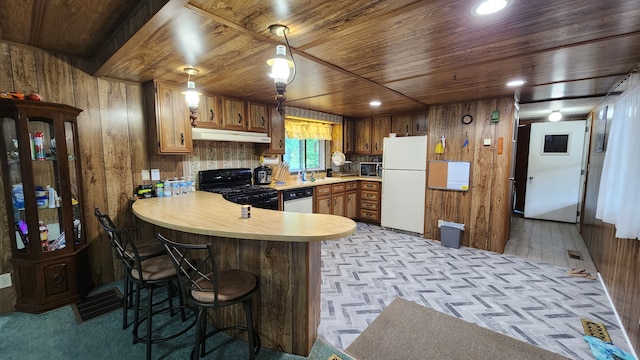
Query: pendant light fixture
x: 555, y: 116
x: 191, y: 95
x: 283, y: 69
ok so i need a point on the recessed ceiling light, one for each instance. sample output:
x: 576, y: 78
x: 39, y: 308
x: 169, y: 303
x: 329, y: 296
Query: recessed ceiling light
x: 487, y: 7
x: 375, y: 103
x: 555, y: 116
x: 515, y: 83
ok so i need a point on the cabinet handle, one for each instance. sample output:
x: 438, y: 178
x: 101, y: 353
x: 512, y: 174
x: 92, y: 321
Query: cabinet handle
x: 57, y: 278
x: 366, y: 146
x: 335, y: 202
x: 262, y: 120
x: 407, y: 128
x: 239, y: 118
x: 417, y: 127
x: 181, y: 138
x: 212, y: 115
x: 280, y: 143
x: 376, y: 146
x: 328, y: 203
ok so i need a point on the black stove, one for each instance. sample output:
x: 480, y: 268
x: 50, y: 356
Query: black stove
x: 235, y: 186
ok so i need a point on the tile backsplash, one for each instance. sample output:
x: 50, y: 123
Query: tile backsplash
x: 219, y: 155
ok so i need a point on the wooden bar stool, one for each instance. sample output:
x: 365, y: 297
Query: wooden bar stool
x: 205, y: 287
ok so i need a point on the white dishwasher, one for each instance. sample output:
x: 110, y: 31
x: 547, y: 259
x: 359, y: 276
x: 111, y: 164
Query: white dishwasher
x: 298, y: 200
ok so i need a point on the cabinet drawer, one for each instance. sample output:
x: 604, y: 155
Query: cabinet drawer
x: 369, y: 205
x: 338, y: 187
x: 369, y: 215
x: 323, y: 190
x: 369, y: 195
x: 370, y: 185
x: 352, y: 185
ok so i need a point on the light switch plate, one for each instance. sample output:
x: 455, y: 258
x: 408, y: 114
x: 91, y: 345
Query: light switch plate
x: 145, y: 175
x: 487, y: 142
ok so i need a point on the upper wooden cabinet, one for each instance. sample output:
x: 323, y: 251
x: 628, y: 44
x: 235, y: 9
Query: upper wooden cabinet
x: 402, y: 125
x: 258, y: 118
x: 409, y: 124
x: 348, y: 136
x: 369, y: 134
x: 168, y: 119
x: 420, y: 121
x: 362, y: 135
x: 381, y: 127
x: 233, y: 114
x: 209, y: 112
x: 276, y: 133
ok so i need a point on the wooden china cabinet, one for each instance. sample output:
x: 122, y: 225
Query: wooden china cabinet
x: 42, y: 191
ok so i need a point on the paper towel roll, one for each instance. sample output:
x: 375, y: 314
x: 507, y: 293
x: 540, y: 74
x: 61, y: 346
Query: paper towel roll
x: 269, y: 160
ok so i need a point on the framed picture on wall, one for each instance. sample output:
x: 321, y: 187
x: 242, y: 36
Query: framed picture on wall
x: 601, y: 129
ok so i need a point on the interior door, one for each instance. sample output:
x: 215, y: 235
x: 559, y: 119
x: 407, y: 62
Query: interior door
x: 553, y: 174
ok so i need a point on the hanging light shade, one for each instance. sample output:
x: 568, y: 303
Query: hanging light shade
x: 191, y: 94
x: 283, y: 69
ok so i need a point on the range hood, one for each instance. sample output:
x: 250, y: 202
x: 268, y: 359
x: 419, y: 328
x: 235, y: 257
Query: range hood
x: 229, y: 135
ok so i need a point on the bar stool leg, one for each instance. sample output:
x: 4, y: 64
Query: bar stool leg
x: 250, y: 338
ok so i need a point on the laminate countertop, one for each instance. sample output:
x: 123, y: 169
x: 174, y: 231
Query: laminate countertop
x: 207, y: 213
x: 295, y: 184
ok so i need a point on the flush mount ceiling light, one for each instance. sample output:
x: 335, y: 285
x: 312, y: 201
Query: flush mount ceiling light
x: 515, y: 83
x: 555, y: 116
x: 191, y: 95
x: 375, y: 103
x: 488, y: 7
x: 283, y: 69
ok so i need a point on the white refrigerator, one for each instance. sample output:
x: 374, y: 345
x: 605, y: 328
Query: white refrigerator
x: 404, y: 179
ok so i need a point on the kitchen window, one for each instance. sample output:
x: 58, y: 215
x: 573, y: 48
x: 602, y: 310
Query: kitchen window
x: 304, y: 154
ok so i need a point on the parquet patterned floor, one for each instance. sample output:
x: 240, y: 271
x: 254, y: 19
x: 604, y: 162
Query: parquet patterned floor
x: 529, y: 300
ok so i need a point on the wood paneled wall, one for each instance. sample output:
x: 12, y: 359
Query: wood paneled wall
x: 617, y: 260
x: 486, y: 208
x: 112, y: 141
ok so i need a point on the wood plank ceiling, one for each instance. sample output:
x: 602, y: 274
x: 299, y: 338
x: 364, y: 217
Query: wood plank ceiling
x: 408, y: 54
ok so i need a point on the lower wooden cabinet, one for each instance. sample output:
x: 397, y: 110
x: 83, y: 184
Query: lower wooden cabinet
x: 322, y: 199
x: 337, y: 199
x: 370, y: 201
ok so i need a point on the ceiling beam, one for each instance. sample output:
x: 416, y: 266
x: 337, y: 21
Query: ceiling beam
x: 148, y: 17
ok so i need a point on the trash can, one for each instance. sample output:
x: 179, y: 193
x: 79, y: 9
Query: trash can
x: 451, y: 234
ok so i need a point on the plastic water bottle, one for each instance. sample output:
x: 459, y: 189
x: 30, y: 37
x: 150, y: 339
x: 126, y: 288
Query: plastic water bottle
x: 167, y: 188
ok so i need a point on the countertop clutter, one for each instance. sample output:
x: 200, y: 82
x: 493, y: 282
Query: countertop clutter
x: 295, y: 184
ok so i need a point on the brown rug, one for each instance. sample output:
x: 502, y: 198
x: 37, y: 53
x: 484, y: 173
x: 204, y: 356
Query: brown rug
x: 406, y: 330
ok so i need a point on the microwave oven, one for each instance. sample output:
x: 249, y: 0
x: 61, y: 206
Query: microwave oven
x: 371, y: 169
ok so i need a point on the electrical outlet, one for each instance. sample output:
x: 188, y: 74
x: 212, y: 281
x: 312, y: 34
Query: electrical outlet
x: 440, y: 223
x: 334, y: 357
x: 5, y: 280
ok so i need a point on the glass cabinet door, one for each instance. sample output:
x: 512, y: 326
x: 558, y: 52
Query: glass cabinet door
x: 46, y: 185
x: 74, y: 170
x: 12, y: 149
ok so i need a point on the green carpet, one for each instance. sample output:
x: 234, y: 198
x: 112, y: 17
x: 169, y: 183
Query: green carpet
x: 56, y: 335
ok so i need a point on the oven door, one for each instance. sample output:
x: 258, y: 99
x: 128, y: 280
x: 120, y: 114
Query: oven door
x: 271, y: 204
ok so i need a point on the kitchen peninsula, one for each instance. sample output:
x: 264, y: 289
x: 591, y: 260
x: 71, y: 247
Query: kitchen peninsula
x: 282, y: 248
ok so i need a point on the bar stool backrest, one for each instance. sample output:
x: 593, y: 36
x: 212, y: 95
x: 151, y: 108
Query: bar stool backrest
x: 122, y: 243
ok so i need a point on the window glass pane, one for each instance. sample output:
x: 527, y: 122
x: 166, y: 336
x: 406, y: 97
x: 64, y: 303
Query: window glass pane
x: 296, y: 150
x: 313, y: 158
x: 556, y: 143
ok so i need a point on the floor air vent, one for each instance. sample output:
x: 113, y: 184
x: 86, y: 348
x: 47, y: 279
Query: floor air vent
x: 595, y: 329
x: 97, y: 304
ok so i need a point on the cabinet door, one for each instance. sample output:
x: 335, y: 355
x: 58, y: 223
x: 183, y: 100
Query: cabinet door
x: 351, y: 204
x: 258, y: 118
x: 381, y: 126
x: 348, y: 130
x: 402, y: 125
x: 172, y: 121
x: 233, y: 114
x: 337, y: 204
x: 323, y: 205
x: 363, y: 136
x: 420, y: 123
x: 276, y: 132
x: 209, y: 112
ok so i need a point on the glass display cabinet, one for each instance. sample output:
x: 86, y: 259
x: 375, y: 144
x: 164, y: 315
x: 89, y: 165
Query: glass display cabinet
x: 42, y: 184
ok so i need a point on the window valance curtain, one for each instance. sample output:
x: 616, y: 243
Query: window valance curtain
x: 300, y: 129
x: 619, y: 193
